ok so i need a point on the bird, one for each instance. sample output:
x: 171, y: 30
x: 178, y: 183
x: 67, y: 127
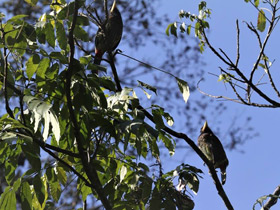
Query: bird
x: 109, y: 34
x: 213, y: 149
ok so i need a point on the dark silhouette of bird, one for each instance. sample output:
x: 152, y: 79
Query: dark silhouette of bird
x: 109, y: 34
x: 213, y: 149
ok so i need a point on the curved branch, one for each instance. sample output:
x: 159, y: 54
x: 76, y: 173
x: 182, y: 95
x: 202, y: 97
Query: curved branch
x: 191, y: 143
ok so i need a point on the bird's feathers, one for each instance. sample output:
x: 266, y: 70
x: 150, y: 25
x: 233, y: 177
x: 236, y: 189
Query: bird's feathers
x: 213, y: 149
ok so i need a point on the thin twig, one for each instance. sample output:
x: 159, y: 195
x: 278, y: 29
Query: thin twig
x: 237, y: 43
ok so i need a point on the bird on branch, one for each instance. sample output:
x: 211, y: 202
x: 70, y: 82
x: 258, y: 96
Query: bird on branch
x: 109, y: 34
x: 213, y: 149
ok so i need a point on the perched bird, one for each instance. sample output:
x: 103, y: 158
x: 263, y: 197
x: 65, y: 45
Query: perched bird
x: 109, y: 34
x: 212, y: 148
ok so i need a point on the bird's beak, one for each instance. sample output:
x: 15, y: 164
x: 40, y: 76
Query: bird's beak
x: 204, y: 126
x: 113, y: 6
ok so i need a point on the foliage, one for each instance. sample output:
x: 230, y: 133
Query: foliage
x: 92, y: 133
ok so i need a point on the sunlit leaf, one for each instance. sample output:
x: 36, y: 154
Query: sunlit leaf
x: 184, y: 88
x: 41, y: 110
x: 32, y: 65
x: 261, y: 21
x: 123, y: 172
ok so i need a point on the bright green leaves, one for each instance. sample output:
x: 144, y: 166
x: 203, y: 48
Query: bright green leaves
x: 198, y: 22
x: 42, y: 111
x: 32, y: 65
x: 26, y: 196
x: 40, y: 192
x: 261, y: 21
x: 8, y: 199
x: 225, y: 77
x: 172, y: 27
x: 54, y: 176
x: 32, y: 2
x: 42, y: 68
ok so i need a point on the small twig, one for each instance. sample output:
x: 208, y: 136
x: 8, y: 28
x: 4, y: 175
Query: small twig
x: 114, y: 70
x: 237, y: 43
x: 261, y: 53
x: 234, y: 100
x: 145, y: 64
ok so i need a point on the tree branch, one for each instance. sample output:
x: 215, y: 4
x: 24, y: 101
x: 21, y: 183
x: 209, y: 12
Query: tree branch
x: 90, y: 171
x: 273, y: 199
x: 190, y: 142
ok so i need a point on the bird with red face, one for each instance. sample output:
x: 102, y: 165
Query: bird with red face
x: 109, y: 34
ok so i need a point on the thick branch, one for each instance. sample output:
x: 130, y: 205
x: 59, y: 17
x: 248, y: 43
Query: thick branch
x: 217, y: 182
x: 90, y: 171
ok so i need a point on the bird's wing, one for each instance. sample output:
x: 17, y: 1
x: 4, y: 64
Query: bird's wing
x: 206, y: 145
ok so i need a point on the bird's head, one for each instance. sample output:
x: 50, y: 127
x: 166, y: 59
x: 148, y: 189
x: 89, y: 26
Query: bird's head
x: 205, y: 128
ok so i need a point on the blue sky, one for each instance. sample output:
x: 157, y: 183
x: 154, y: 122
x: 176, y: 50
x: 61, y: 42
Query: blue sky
x: 255, y: 172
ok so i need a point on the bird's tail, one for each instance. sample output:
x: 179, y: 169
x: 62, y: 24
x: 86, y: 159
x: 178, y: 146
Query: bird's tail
x: 223, y: 176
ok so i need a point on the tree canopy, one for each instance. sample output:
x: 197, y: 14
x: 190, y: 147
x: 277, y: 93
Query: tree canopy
x: 76, y: 135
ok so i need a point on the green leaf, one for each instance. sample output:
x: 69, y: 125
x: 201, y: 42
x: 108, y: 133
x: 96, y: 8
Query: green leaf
x: 189, y: 29
x: 16, y: 17
x: 42, y: 67
x: 81, y: 34
x: 8, y: 199
x: 149, y: 87
x: 10, y: 167
x: 32, y: 65
x: 167, y: 142
x: 172, y: 27
x: 40, y: 189
x: 57, y: 55
x: 61, y: 35
x: 61, y: 175
x: 257, y: 2
x: 26, y: 196
x: 157, y: 116
x: 49, y: 32
x: 184, y: 88
x: 32, y: 2
x: 32, y: 156
x: 55, y: 190
x: 261, y: 21
x: 156, y: 199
